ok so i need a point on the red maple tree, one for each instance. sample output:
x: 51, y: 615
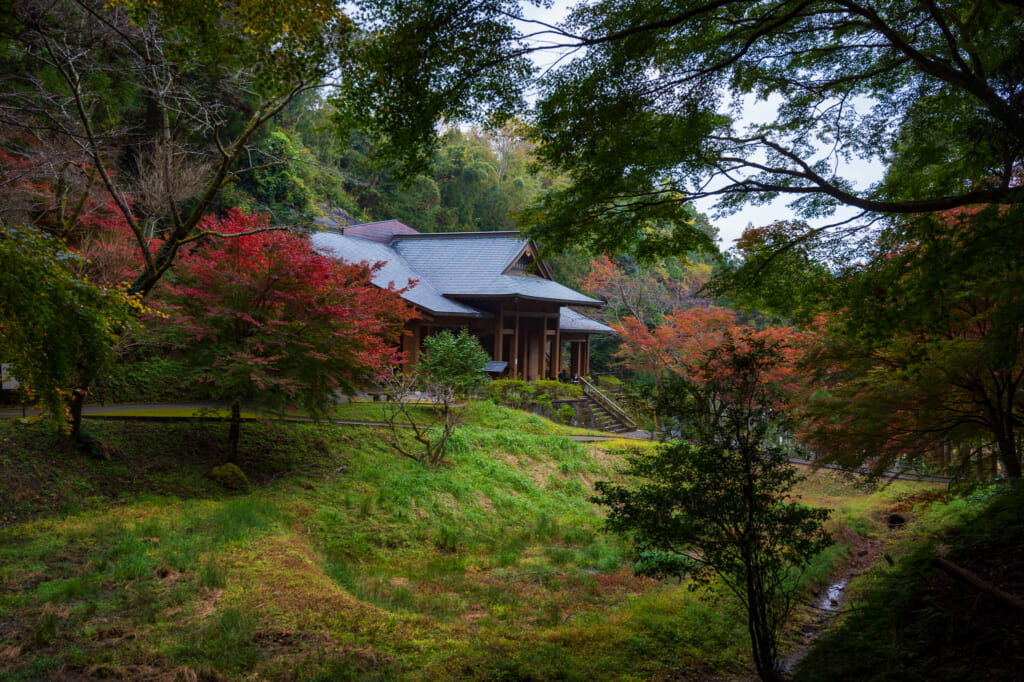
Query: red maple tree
x: 266, y: 320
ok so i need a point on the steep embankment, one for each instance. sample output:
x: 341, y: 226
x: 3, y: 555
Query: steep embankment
x: 947, y: 605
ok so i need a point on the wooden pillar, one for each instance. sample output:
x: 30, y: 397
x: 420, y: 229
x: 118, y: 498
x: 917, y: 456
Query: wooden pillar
x: 516, y: 362
x: 549, y: 341
x: 540, y: 339
x: 556, y: 352
x: 499, y: 335
x: 411, y: 344
x: 531, y: 349
x: 586, y: 357
x: 547, y: 353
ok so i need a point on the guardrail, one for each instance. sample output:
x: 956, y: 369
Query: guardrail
x: 609, y: 404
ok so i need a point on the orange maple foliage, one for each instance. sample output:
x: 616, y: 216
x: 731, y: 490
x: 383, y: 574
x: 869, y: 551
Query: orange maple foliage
x: 683, y: 341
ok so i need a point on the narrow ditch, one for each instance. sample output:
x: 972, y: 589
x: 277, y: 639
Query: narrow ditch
x: 827, y: 607
x: 830, y: 601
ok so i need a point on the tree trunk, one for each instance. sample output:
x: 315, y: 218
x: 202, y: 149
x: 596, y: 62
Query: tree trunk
x: 976, y: 581
x: 761, y: 635
x: 1009, y: 455
x: 233, y: 431
x: 77, y: 401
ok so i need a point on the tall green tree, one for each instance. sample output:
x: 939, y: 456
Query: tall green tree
x: 57, y: 328
x: 424, y: 62
x: 719, y: 505
x: 272, y: 179
x: 475, y: 181
x: 645, y: 112
x: 650, y: 117
x: 783, y: 271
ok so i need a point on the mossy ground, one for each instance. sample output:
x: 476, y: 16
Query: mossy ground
x: 344, y: 561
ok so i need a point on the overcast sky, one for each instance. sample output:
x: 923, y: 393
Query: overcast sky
x: 730, y: 227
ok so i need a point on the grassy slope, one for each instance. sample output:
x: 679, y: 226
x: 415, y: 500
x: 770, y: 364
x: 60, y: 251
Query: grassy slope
x: 344, y: 561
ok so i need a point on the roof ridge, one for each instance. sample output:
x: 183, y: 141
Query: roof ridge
x: 459, y: 234
x: 380, y: 222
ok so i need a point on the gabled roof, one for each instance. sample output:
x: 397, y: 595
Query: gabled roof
x: 471, y: 265
x: 452, y: 269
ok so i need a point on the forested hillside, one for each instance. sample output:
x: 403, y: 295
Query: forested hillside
x: 478, y: 180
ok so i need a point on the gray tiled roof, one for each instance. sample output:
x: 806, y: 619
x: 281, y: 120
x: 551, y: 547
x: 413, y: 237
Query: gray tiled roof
x: 395, y: 271
x: 470, y: 265
x: 449, y: 267
x: 571, y: 321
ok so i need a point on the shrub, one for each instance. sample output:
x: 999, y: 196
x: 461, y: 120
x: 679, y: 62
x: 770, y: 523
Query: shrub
x: 519, y: 394
x: 556, y: 390
x: 230, y: 476
x: 512, y: 392
x: 565, y: 415
x: 450, y: 370
x: 455, y: 361
x: 153, y: 379
x: 608, y: 381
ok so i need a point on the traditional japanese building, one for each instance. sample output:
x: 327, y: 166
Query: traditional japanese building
x: 491, y: 283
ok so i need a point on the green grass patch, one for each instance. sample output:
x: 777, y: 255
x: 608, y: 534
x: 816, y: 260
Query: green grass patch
x: 345, y: 560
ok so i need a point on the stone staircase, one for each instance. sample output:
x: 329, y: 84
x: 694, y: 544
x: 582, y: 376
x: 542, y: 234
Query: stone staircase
x: 601, y: 418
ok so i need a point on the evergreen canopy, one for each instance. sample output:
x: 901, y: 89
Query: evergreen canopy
x: 645, y: 111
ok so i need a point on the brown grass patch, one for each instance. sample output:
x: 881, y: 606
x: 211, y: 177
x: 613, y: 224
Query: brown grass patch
x: 862, y: 551
x: 483, y: 500
x: 150, y: 673
x: 282, y: 575
x: 9, y: 654
x: 537, y: 471
x: 168, y: 576
x: 302, y: 509
x: 920, y: 501
x: 474, y: 616
x: 624, y: 582
x: 113, y: 634
x: 180, y: 674
x: 290, y: 639
x: 209, y: 597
